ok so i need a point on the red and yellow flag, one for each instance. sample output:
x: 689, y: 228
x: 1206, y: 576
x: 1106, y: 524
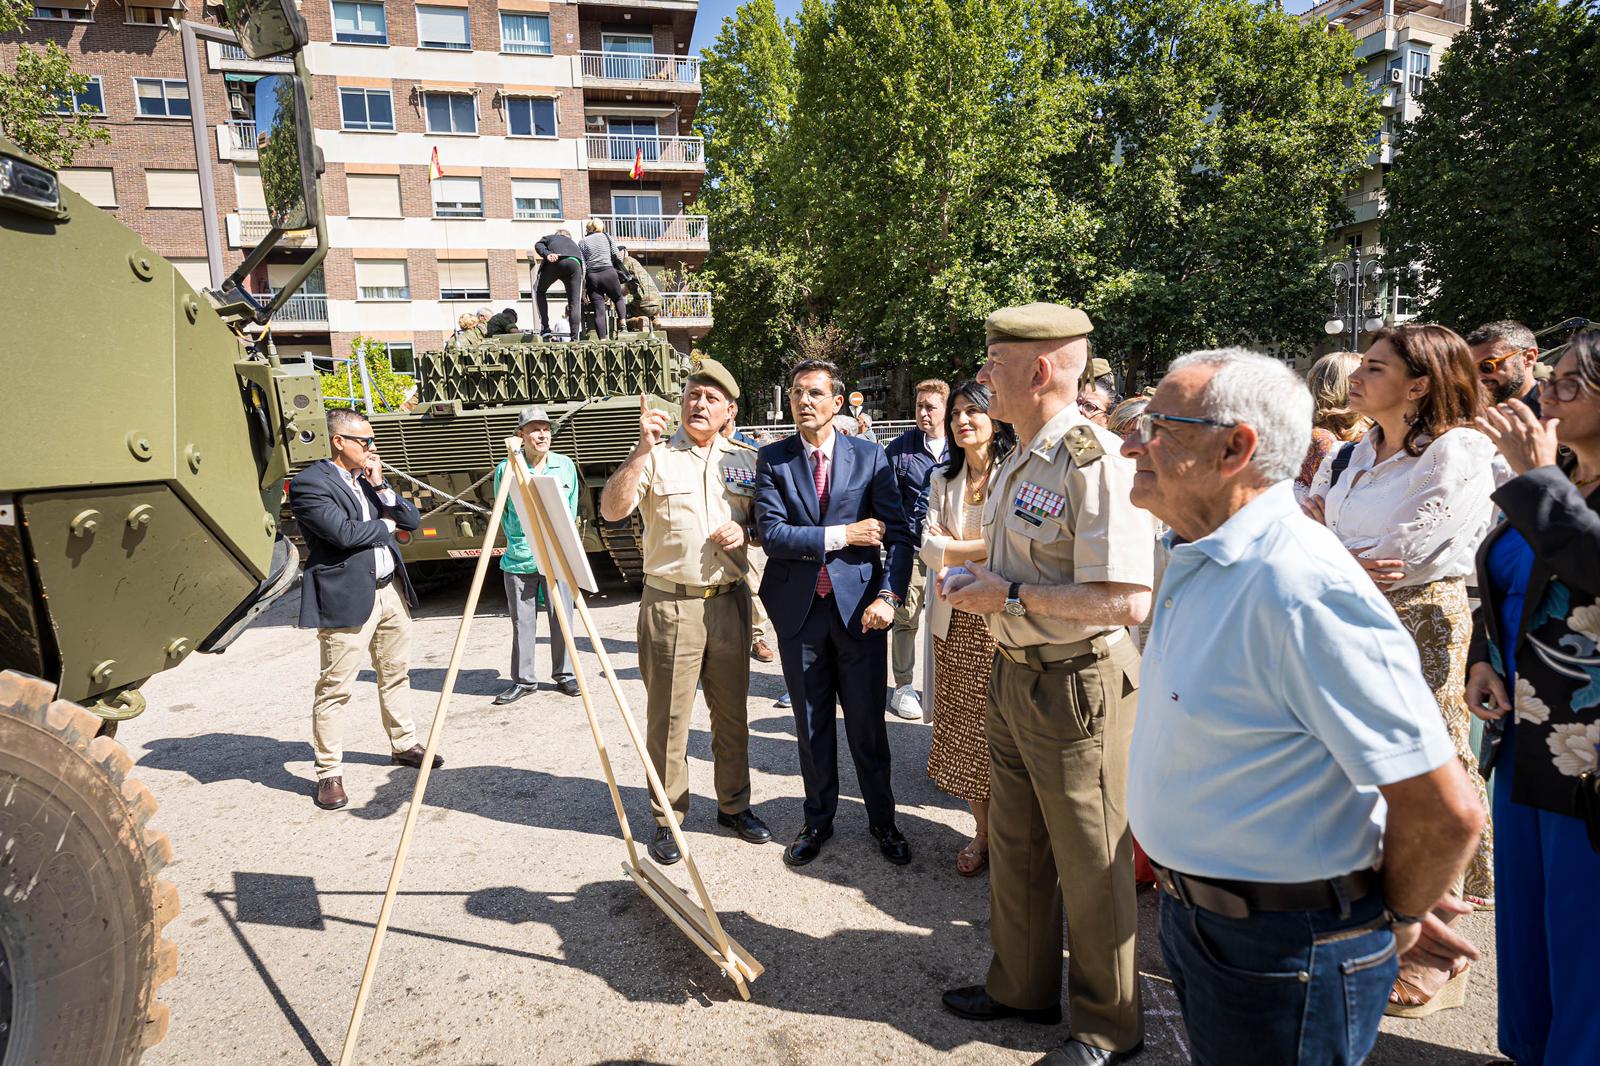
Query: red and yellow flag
x: 638, y: 165
x: 434, y: 169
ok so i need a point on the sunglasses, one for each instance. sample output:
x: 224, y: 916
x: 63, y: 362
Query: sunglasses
x: 365, y: 442
x: 1144, y: 427
x: 1491, y: 364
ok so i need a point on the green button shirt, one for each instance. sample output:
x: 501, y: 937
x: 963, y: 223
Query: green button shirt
x: 518, y: 558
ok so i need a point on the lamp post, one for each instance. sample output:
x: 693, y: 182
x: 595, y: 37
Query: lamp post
x: 1355, y: 292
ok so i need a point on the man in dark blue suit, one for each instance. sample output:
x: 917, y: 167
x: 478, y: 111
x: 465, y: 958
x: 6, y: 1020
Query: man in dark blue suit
x: 826, y: 504
x: 355, y: 593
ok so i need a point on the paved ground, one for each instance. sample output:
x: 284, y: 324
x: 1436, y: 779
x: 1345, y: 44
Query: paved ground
x: 517, y: 938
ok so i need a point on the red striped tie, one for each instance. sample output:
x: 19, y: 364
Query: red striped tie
x: 820, y: 474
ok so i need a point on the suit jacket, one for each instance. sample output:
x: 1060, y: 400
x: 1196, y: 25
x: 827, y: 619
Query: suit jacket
x: 341, y: 576
x: 862, y: 485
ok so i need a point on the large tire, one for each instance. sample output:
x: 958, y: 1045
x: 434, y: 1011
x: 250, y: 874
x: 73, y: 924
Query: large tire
x: 81, y: 907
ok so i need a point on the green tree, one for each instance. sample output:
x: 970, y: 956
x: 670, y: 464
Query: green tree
x: 342, y: 387
x: 1493, y: 198
x: 32, y: 93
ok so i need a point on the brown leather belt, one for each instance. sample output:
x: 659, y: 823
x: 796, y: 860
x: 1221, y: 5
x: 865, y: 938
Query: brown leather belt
x: 387, y: 580
x: 1238, y: 899
x: 689, y: 592
x: 1039, y: 656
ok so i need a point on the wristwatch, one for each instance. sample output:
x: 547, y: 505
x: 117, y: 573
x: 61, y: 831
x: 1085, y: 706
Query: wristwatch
x: 1014, y: 605
x: 885, y: 594
x: 1394, y: 917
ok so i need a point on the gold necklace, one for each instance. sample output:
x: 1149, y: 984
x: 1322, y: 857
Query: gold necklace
x: 977, y: 487
x: 1585, y: 481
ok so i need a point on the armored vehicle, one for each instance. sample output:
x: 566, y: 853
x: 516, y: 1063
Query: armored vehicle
x: 142, y: 457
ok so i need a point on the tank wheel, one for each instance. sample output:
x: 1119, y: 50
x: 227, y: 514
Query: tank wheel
x: 81, y: 907
x: 624, y: 542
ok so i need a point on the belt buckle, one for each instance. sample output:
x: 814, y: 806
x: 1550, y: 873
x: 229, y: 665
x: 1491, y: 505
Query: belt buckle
x: 708, y: 592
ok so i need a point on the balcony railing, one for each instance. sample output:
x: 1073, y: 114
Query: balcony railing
x: 669, y: 230
x: 244, y: 134
x: 234, y: 53
x: 685, y: 305
x: 668, y: 71
x: 302, y: 307
x: 624, y: 148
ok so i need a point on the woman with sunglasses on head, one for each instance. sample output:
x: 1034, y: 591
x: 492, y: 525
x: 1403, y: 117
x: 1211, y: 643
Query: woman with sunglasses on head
x: 1534, y: 654
x: 1411, y: 501
x: 963, y: 650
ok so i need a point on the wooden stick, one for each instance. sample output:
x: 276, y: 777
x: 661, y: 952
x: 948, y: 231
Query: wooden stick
x: 446, y: 690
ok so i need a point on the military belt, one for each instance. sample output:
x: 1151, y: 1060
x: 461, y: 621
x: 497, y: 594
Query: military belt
x: 1039, y: 656
x: 689, y: 592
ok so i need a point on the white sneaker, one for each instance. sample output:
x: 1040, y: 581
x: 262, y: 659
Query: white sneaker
x: 905, y: 703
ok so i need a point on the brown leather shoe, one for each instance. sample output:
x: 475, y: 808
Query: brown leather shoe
x: 762, y: 651
x: 412, y: 757
x: 330, y: 793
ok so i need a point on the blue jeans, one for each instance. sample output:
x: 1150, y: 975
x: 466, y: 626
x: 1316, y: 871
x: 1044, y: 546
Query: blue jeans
x: 1280, y: 988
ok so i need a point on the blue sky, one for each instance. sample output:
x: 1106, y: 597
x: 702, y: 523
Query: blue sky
x: 709, y: 22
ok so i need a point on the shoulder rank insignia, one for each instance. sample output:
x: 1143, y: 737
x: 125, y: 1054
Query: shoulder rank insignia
x: 1083, y: 446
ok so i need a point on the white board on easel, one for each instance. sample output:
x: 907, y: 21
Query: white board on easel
x: 551, y: 496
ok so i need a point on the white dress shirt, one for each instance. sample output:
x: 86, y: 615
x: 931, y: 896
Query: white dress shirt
x: 383, y: 561
x: 833, y: 538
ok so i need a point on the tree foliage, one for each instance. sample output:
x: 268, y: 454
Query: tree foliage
x: 32, y: 91
x: 389, y: 388
x: 1494, y: 194
x: 894, y: 172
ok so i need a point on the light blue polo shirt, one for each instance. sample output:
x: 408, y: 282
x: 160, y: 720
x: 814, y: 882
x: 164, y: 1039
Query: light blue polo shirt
x: 1278, y: 690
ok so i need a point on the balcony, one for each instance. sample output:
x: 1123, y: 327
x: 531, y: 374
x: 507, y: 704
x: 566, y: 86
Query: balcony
x: 1382, y: 150
x: 236, y: 140
x: 686, y: 309
x: 612, y: 151
x: 1365, y: 206
x: 640, y: 71
x: 249, y: 226
x: 232, y: 57
x: 659, y: 233
x: 301, y: 309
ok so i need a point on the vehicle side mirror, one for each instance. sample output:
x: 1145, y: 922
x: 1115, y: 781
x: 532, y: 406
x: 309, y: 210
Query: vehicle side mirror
x: 267, y: 28
x: 287, y: 154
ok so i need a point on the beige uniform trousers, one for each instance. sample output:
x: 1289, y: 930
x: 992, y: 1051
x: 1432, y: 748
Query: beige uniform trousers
x: 386, y: 634
x: 907, y: 618
x: 1058, y: 827
x: 686, y: 642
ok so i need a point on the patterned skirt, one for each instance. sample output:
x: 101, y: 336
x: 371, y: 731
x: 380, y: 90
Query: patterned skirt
x: 1437, y: 616
x: 958, y: 758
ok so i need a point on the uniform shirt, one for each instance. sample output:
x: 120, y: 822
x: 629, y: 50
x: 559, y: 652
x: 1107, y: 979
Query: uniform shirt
x: 684, y: 493
x: 518, y: 558
x: 1050, y: 521
x: 1278, y: 690
x: 383, y: 561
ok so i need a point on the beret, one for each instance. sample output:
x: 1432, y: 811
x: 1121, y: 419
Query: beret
x: 709, y: 370
x: 1036, y: 322
x: 536, y: 413
x: 1099, y: 368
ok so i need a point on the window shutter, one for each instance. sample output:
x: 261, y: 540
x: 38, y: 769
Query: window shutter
x: 463, y: 274
x: 94, y: 184
x: 373, y: 195
x: 247, y: 180
x: 448, y: 190
x: 173, y: 188
x: 197, y: 272
x: 381, y: 273
x: 443, y: 25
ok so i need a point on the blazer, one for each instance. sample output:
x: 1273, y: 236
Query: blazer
x: 340, y: 582
x: 1557, y: 662
x: 944, y: 498
x: 861, y: 486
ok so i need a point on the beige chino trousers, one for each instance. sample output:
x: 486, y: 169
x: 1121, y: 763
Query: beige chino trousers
x: 386, y: 635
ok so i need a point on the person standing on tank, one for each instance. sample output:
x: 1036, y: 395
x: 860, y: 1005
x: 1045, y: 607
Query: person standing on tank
x: 560, y: 259
x: 603, y: 277
x: 355, y: 594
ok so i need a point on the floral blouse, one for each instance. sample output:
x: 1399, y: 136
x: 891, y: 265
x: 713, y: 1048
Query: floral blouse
x: 1555, y: 665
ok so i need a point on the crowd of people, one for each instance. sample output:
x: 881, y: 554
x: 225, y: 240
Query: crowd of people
x: 1232, y: 617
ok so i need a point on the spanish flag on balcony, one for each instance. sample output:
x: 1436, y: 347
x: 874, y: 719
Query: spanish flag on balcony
x: 434, y: 169
x: 638, y: 164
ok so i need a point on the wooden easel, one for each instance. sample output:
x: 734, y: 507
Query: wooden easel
x: 698, y: 921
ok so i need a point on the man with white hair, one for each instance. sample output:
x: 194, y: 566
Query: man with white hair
x: 1285, y: 741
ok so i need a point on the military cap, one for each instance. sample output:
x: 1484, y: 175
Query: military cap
x: 1099, y: 368
x: 1036, y: 322
x: 713, y: 372
x: 536, y: 413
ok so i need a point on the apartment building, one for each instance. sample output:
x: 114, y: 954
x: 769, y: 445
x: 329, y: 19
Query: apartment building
x: 540, y: 111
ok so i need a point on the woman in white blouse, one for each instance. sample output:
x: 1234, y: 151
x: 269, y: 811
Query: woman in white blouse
x: 1410, y: 500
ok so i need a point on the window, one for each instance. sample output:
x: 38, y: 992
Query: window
x: 531, y: 116
x: 64, y: 14
x: 173, y: 188
x: 628, y: 137
x: 450, y: 112
x: 151, y: 14
x: 94, y: 184
x: 402, y: 357
x: 535, y: 198
x: 161, y: 97
x: 195, y: 270
x: 382, y: 279
x: 370, y: 110
x: 443, y: 27
x: 91, y: 101
x: 463, y: 279
x: 247, y: 185
x: 359, y: 23
x: 457, y: 197
x: 628, y: 56
x: 1418, y: 63
x: 529, y: 34
x: 638, y: 216
x: 373, y: 195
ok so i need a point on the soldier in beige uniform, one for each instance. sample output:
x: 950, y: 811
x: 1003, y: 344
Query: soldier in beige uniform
x: 696, y: 494
x: 1069, y: 569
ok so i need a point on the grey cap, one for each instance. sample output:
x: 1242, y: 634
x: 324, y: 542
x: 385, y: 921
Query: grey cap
x: 536, y: 413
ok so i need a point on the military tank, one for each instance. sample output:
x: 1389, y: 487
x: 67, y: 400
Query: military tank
x: 145, y: 447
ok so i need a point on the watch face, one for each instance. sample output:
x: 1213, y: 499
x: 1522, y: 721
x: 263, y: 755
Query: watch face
x: 1015, y: 609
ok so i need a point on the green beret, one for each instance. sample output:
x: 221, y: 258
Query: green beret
x: 714, y: 373
x: 1036, y: 322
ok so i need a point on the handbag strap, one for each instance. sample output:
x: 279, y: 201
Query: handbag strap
x: 1341, y: 460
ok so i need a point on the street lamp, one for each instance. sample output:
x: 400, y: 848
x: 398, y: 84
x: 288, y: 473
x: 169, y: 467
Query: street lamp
x: 1355, y: 291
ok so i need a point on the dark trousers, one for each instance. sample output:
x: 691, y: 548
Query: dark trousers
x: 1298, y: 988
x: 605, y: 285
x: 824, y: 668
x: 570, y: 273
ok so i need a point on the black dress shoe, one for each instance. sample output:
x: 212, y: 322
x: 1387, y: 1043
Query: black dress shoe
x: 663, y: 848
x: 412, y: 757
x: 894, y: 846
x: 973, y: 1003
x: 513, y: 694
x: 806, y: 846
x: 567, y: 686
x: 1077, y: 1053
x: 747, y: 825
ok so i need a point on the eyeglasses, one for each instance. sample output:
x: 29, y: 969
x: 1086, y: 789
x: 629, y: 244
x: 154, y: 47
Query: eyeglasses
x: 365, y: 442
x: 1089, y: 407
x: 1491, y: 364
x: 814, y: 395
x: 1144, y: 427
x: 1565, y: 389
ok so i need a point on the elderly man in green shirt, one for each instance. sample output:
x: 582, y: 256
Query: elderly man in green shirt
x: 525, y: 586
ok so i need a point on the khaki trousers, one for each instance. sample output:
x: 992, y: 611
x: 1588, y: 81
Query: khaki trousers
x: 685, y: 642
x: 1058, y: 829
x: 907, y: 619
x: 386, y: 635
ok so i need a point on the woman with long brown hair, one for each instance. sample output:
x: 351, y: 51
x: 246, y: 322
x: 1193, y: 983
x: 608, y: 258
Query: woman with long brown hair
x: 1410, y: 500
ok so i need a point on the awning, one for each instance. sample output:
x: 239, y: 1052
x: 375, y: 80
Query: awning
x: 538, y: 92
x: 243, y: 79
x: 603, y: 110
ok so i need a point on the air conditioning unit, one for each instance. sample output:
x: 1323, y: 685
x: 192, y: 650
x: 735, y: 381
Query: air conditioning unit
x: 1397, y: 76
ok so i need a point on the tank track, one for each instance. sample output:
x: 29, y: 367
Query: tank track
x: 624, y: 542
